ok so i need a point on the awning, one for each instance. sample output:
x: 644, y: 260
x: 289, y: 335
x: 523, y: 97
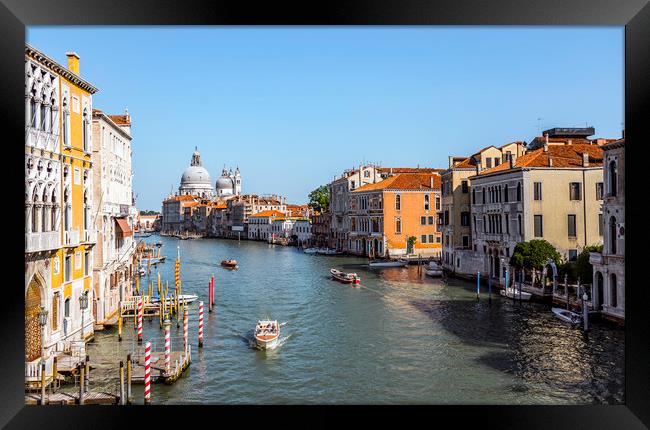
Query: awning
x: 124, y: 227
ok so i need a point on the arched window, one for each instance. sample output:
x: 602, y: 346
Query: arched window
x: 44, y: 112
x: 613, y: 302
x: 505, y: 193
x: 483, y: 192
x: 612, y: 178
x: 64, y: 119
x: 612, y: 235
x: 519, y: 219
x: 485, y: 226
x: 518, y: 191
x: 53, y: 213
x: 474, y: 197
x: 32, y: 108
x: 34, y: 214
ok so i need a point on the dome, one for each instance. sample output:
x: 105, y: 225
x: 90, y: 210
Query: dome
x: 224, y: 185
x: 196, y: 175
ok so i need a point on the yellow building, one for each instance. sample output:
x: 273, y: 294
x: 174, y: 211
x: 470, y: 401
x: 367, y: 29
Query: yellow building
x: 59, y: 235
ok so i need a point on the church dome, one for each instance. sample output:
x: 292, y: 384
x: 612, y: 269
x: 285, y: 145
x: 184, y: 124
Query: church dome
x: 225, y: 185
x: 196, y: 175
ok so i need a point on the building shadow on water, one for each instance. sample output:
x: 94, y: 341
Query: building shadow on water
x: 546, y: 355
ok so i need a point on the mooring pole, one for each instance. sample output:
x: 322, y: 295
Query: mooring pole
x: 87, y: 380
x: 43, y: 383
x: 82, y: 375
x: 122, y: 400
x: 585, y: 312
x: 129, y: 375
x: 478, y: 284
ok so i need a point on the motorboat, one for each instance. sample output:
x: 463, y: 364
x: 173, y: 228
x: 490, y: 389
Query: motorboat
x: 229, y: 264
x: 183, y: 298
x: 311, y: 250
x: 433, y: 269
x: 326, y: 251
x: 567, y: 315
x: 388, y: 263
x: 513, y: 293
x: 346, y: 278
x: 267, y: 334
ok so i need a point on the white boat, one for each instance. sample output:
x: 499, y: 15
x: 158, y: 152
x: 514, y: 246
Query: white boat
x: 183, y: 298
x: 267, y: 334
x: 310, y: 250
x: 433, y: 269
x: 346, y: 278
x: 388, y: 263
x: 326, y: 251
x: 512, y: 293
x: 567, y: 315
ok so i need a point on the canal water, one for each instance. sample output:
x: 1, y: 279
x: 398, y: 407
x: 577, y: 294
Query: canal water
x: 399, y: 338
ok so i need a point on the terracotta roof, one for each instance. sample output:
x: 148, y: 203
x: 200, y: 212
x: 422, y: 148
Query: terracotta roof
x: 120, y: 119
x: 466, y: 163
x: 267, y: 214
x: 180, y: 198
x: 190, y: 204
x: 563, y: 156
x: 398, y: 170
x: 404, y: 181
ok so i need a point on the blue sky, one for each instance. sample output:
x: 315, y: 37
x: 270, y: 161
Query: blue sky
x: 292, y: 107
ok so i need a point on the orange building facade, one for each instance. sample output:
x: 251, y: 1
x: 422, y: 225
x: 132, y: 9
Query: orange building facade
x: 386, y: 214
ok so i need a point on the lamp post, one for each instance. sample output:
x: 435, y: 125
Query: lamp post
x: 42, y: 321
x: 83, y: 304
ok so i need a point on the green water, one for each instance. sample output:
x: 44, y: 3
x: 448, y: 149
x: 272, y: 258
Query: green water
x: 399, y: 338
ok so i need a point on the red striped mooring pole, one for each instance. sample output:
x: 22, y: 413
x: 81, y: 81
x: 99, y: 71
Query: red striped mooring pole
x: 185, y: 338
x: 200, y: 324
x: 147, y: 373
x: 168, y: 347
x: 140, y: 308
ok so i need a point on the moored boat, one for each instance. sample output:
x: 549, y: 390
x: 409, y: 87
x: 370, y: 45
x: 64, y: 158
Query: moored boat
x: 512, y: 293
x: 327, y: 251
x: 567, y: 315
x: 183, y: 298
x: 388, y: 263
x: 310, y: 250
x: 347, y: 278
x: 230, y: 264
x: 433, y: 269
x: 267, y: 334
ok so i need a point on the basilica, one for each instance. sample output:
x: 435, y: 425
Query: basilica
x: 196, y: 181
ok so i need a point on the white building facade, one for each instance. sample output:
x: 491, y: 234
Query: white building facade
x: 609, y: 267
x: 116, y: 214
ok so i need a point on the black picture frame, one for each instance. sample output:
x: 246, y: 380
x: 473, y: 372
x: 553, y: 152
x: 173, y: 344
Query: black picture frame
x: 633, y: 14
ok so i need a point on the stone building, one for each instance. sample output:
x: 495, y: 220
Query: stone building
x: 59, y: 236
x: 385, y: 214
x: 454, y: 211
x: 552, y: 193
x: 609, y: 266
x: 195, y: 180
x: 116, y: 215
x: 321, y: 235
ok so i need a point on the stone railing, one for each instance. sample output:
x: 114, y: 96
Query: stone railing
x: 71, y: 238
x: 42, y: 241
x: 90, y: 235
x: 33, y: 369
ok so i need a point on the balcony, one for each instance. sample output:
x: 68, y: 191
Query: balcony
x: 90, y: 236
x: 44, y: 241
x: 595, y: 258
x: 71, y: 238
x: 33, y: 371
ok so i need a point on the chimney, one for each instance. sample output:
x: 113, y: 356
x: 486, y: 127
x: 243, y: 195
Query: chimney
x: 546, y: 142
x: 126, y: 114
x: 512, y: 162
x: 585, y: 159
x: 431, y: 182
x: 569, y: 142
x: 623, y: 133
x: 550, y: 161
x: 73, y: 62
x: 478, y: 168
x: 451, y: 161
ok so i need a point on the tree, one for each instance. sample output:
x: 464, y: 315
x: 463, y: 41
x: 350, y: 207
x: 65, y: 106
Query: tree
x: 534, y: 254
x: 319, y: 199
x: 411, y: 244
x: 582, y: 268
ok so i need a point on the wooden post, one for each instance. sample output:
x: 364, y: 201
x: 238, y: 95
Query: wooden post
x: 122, y: 399
x: 82, y: 375
x: 129, y: 375
x: 87, y: 380
x: 55, y: 371
x: 43, y: 383
x: 119, y: 327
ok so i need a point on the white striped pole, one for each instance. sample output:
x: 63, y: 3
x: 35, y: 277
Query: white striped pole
x: 147, y: 373
x: 140, y: 320
x: 168, y: 347
x: 200, y: 324
x: 185, y: 337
